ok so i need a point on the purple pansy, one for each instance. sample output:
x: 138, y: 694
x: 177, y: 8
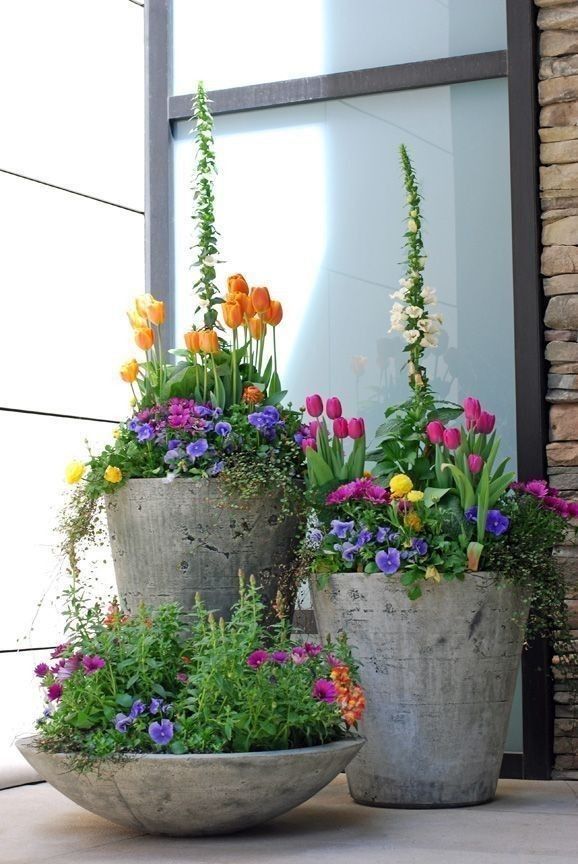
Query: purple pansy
x: 161, y: 731
x: 122, y: 722
x: 223, y: 428
x: 156, y: 705
x: 138, y: 707
x: 496, y: 523
x: 145, y: 432
x: 419, y: 545
x: 341, y: 529
x: 216, y: 468
x: 348, y: 550
x: 388, y: 561
x: 197, y: 448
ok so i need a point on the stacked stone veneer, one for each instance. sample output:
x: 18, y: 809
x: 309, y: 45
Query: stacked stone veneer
x: 558, y: 95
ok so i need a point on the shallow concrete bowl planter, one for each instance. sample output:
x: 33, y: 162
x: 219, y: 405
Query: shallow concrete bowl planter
x: 195, y: 795
x: 170, y: 540
x: 439, y: 675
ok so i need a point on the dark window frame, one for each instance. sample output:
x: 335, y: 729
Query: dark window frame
x: 519, y: 65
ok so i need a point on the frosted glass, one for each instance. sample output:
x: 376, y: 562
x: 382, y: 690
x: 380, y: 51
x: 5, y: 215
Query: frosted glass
x: 26, y: 703
x: 33, y: 491
x: 72, y: 95
x: 310, y: 202
x: 69, y: 268
x: 228, y: 44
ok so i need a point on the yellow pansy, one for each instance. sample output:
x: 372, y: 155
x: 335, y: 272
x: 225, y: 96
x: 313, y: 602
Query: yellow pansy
x: 113, y: 474
x: 415, y: 495
x: 400, y: 485
x: 74, y: 471
x: 413, y: 521
x: 433, y: 573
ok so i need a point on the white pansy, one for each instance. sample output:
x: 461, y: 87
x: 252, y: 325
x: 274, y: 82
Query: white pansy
x: 412, y: 226
x: 411, y: 336
x: 413, y: 311
x: 429, y: 295
x: 429, y: 341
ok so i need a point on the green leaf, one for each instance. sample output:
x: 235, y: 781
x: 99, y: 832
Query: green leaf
x: 125, y: 700
x: 275, y: 398
x: 433, y: 494
x: 414, y: 592
x: 320, y: 470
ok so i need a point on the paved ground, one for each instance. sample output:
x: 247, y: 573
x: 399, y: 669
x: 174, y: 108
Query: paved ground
x: 528, y: 823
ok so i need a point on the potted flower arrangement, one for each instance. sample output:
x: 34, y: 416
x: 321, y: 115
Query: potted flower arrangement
x: 207, y: 733
x: 206, y: 477
x: 430, y: 566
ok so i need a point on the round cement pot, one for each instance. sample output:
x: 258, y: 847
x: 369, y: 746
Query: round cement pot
x: 170, y: 540
x: 194, y: 795
x: 439, y: 676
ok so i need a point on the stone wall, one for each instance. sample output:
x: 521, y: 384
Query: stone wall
x: 558, y: 96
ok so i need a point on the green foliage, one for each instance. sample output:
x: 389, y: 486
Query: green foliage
x: 327, y: 466
x: 189, y: 670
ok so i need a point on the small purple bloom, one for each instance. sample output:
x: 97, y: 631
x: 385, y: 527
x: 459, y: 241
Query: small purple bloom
x: 145, y: 432
x: 299, y: 655
x: 324, y: 690
x: 133, y: 424
x: 382, y: 535
x: 363, y: 537
x: 174, y: 443
x: 122, y: 722
x: 257, y: 658
x: 537, y: 488
x: 279, y: 657
x: 348, y: 550
x: 197, y: 448
x: 182, y: 677
x: 216, y: 468
x: 496, y: 523
x: 471, y: 514
x: 419, y: 545
x: 333, y: 661
x: 41, y: 670
x: 156, y: 705
x: 67, y: 667
x: 92, y: 664
x: 59, y: 649
x: 138, y: 707
x: 388, y: 562
x: 54, y: 692
x: 173, y: 456
x: 271, y: 413
x: 223, y: 428
x: 203, y: 411
x: 161, y: 732
x: 313, y: 650
x: 314, y: 538
x: 341, y: 529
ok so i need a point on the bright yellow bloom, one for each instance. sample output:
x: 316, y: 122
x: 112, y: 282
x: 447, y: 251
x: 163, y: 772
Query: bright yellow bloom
x: 74, y: 471
x: 400, y: 485
x: 115, y: 432
x: 129, y: 371
x: 413, y: 521
x: 136, y: 319
x: 415, y: 495
x: 142, y: 303
x: 433, y: 573
x: 113, y: 474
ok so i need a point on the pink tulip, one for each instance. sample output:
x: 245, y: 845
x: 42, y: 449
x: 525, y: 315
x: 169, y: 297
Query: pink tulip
x: 452, y: 438
x: 340, y: 427
x: 333, y: 408
x: 475, y: 463
x: 472, y: 408
x: 485, y: 423
x: 314, y: 405
x: 314, y: 428
x: 356, y: 427
x: 308, y: 443
x: 435, y: 432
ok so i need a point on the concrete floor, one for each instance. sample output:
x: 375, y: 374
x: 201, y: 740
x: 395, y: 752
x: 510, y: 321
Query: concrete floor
x: 528, y: 823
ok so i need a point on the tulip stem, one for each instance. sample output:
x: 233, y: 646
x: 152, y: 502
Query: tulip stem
x: 275, y: 352
x: 205, y: 364
x: 234, y: 370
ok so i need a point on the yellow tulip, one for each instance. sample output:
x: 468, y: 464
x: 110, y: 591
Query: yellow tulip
x: 400, y: 485
x: 129, y: 371
x: 74, y: 471
x: 113, y: 474
x: 415, y: 495
x: 142, y: 303
x: 136, y: 319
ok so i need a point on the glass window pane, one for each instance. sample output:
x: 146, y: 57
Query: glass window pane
x: 229, y: 44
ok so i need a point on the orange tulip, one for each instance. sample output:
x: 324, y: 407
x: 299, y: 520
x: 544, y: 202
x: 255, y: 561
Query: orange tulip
x: 237, y: 284
x: 246, y: 305
x: 208, y: 341
x: 252, y: 395
x: 129, y: 371
x: 144, y: 338
x: 142, y: 303
x: 192, y: 341
x: 261, y: 299
x: 257, y: 327
x: 156, y: 312
x: 274, y: 313
x: 136, y: 319
x: 232, y: 315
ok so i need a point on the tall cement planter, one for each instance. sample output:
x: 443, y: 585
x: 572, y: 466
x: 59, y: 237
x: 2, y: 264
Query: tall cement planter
x: 170, y: 540
x: 439, y: 675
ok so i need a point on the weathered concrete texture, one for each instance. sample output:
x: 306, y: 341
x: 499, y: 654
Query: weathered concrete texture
x: 439, y: 675
x: 170, y: 540
x: 196, y: 795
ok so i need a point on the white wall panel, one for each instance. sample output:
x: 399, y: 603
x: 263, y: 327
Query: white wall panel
x: 72, y: 95
x: 68, y: 269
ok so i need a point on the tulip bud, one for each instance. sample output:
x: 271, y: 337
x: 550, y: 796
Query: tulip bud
x: 142, y: 303
x: 452, y: 438
x: 333, y: 408
x: 256, y: 327
x: 261, y: 299
x: 308, y: 443
x: 340, y: 427
x: 156, y: 312
x: 472, y: 408
x: 208, y: 341
x: 435, y: 432
x: 475, y: 463
x: 136, y: 320
x: 314, y: 405
x: 232, y: 315
x: 192, y: 341
x: 237, y: 284
x: 274, y: 314
x: 485, y: 423
x: 129, y: 371
x: 144, y: 338
x: 356, y: 427
x: 246, y: 305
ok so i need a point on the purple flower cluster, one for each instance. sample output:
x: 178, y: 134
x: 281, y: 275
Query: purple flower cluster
x: 299, y: 654
x: 161, y: 731
x: 356, y: 538
x: 54, y: 676
x: 267, y: 421
x: 364, y: 489
x: 548, y: 497
x: 497, y: 523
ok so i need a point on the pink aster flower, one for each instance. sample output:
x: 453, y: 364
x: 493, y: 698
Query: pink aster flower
x: 324, y: 690
x: 41, y: 670
x: 68, y: 667
x: 59, y: 650
x: 92, y: 663
x: 313, y: 650
x: 537, y: 488
x: 54, y: 692
x: 257, y: 658
x: 363, y: 489
x: 299, y: 655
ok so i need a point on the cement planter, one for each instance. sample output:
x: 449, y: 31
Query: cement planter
x: 170, y: 540
x: 194, y: 795
x: 439, y: 676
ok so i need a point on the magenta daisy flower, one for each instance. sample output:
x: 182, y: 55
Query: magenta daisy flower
x: 54, y: 692
x: 41, y: 670
x: 92, y: 663
x: 324, y: 690
x: 257, y: 658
